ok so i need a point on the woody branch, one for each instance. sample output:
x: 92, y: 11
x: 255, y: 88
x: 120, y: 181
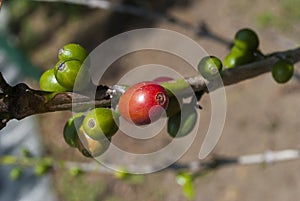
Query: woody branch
x: 20, y: 101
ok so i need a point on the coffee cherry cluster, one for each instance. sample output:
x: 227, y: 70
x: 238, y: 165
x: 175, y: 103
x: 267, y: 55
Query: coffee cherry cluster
x: 245, y: 45
x: 63, y: 75
x: 141, y: 104
x: 244, y: 50
x: 90, y: 132
x: 145, y: 102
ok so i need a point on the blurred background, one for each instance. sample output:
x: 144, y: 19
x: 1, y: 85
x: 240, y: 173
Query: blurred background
x: 261, y: 115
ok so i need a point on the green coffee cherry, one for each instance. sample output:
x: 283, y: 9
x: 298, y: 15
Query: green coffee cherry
x: 90, y: 147
x: 68, y: 72
x: 70, y: 131
x: 236, y: 58
x: 173, y: 106
x: 282, y: 71
x: 49, y: 83
x: 182, y: 123
x: 209, y: 67
x: 83, y: 150
x: 72, y: 52
x: 246, y: 39
x: 100, y: 122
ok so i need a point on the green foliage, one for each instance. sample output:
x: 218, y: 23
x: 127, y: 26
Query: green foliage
x: 291, y: 9
x: 75, y: 171
x: 43, y: 166
x: 32, y: 21
x: 283, y: 18
x: 123, y: 175
x: 8, y: 160
x: 15, y: 173
x: 26, y: 153
x: 185, y: 180
x: 267, y: 18
x: 20, y: 8
x: 82, y: 188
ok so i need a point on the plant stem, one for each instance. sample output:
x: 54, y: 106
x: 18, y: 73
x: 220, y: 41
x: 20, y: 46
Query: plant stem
x: 20, y: 101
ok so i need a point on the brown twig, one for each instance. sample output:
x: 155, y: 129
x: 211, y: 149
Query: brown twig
x: 21, y: 101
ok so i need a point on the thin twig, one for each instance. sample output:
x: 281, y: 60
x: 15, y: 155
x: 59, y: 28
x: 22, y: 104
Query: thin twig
x: 266, y: 158
x: 200, y: 30
x: 129, y: 9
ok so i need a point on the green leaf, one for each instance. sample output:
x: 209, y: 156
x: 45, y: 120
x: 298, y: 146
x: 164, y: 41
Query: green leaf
x: 25, y: 152
x: 175, y: 87
x: 185, y: 179
x: 43, y: 167
x: 8, y: 160
x: 15, y: 173
x: 122, y: 174
x: 75, y: 171
x: 188, y: 190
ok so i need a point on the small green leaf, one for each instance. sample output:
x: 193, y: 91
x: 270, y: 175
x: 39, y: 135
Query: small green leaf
x: 188, y: 190
x: 121, y: 174
x: 185, y: 180
x: 8, y: 160
x: 43, y: 167
x: 175, y: 87
x: 25, y: 152
x: 183, y: 177
x: 15, y: 173
x: 75, y: 171
x: 130, y: 178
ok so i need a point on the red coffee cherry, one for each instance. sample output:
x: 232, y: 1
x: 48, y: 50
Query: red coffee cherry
x: 143, y: 103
